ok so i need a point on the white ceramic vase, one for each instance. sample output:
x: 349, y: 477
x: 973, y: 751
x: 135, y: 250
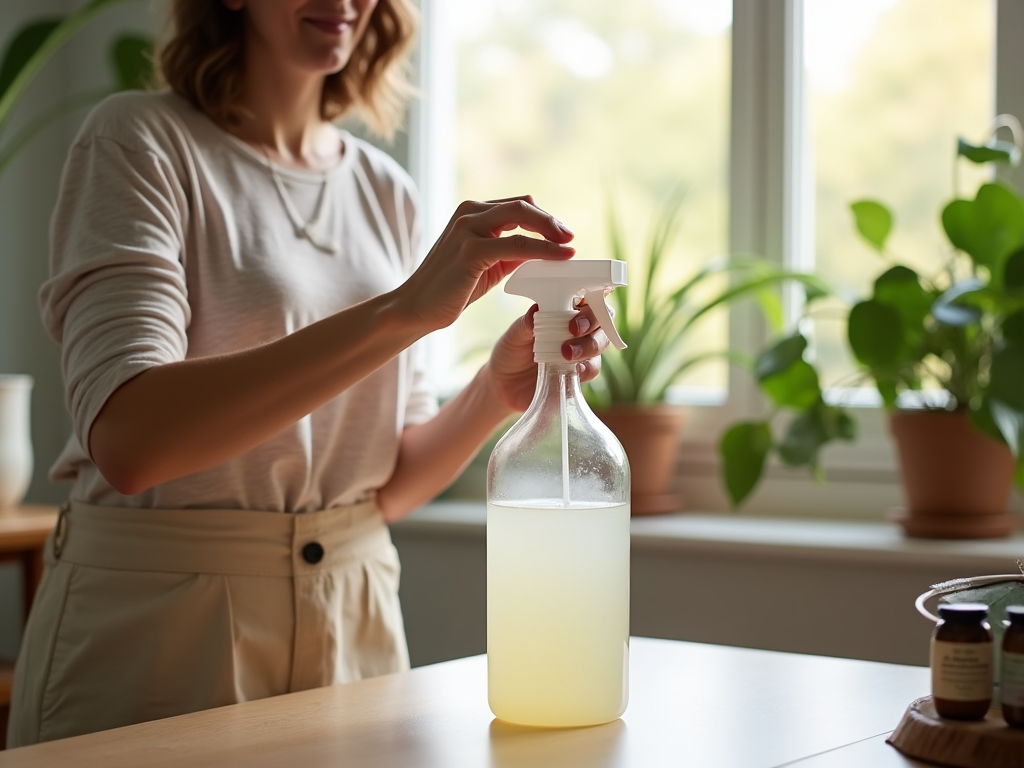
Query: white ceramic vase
x: 15, y: 438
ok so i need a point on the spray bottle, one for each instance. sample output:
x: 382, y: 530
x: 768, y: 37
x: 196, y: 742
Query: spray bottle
x: 558, y: 527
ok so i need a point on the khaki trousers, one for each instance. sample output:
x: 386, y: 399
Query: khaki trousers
x: 144, y: 614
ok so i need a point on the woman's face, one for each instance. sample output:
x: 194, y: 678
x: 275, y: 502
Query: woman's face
x: 314, y: 36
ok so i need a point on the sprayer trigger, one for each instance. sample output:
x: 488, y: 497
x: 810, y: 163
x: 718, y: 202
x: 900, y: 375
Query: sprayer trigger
x: 596, y: 301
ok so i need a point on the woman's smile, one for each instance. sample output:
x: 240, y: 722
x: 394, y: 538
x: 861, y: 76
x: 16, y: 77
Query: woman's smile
x: 332, y: 25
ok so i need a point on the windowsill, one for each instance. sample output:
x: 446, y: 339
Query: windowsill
x: 790, y: 539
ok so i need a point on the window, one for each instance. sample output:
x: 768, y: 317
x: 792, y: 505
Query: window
x: 578, y: 102
x: 890, y: 86
x: 776, y: 114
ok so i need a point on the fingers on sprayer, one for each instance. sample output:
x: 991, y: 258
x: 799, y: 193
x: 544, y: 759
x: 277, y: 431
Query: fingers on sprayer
x: 524, y: 215
x: 572, y: 350
x: 523, y: 247
x: 586, y: 347
x: 583, y: 322
x: 525, y: 198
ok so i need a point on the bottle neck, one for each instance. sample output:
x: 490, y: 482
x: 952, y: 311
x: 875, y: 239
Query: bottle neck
x: 558, y: 383
x: 558, y: 369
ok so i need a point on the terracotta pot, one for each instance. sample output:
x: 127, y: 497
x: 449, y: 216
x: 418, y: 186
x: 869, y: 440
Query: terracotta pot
x: 956, y: 480
x: 650, y: 436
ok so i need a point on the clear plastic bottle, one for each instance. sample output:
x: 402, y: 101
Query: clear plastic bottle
x: 558, y: 538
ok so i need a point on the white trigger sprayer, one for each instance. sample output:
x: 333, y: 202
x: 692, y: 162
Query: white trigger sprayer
x: 558, y: 526
x: 556, y: 286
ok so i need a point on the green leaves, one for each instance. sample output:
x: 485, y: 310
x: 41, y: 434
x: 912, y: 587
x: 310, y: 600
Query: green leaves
x: 988, y: 228
x: 1007, y: 377
x: 28, y: 40
x: 900, y: 287
x: 744, y: 448
x: 792, y: 384
x: 132, y: 59
x: 1013, y: 272
x: 1012, y: 329
x: 889, y: 333
x: 797, y: 387
x: 993, y: 152
x: 1004, y: 396
x: 1010, y: 422
x: 785, y: 376
x: 811, y: 430
x: 875, y: 333
x: 873, y: 221
x: 947, y: 310
x: 778, y: 358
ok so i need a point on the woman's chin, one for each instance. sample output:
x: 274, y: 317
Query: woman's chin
x: 328, y: 62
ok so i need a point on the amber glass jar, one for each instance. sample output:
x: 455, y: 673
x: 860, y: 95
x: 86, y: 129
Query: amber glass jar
x: 1011, y: 667
x: 961, y: 655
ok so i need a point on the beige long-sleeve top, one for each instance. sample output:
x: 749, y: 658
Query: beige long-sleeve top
x: 170, y: 241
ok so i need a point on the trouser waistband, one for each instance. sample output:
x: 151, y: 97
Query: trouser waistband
x: 217, y: 541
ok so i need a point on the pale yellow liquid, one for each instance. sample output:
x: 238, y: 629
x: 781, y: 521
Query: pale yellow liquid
x: 558, y: 614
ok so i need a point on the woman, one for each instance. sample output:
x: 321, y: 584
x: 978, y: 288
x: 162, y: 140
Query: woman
x: 236, y: 290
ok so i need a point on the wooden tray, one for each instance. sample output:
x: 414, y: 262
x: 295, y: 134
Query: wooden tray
x: 988, y: 743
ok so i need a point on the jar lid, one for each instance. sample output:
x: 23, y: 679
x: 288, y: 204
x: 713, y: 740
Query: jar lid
x: 965, y: 613
x: 1015, y: 614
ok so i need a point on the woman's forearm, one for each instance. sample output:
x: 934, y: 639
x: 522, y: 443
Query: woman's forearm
x: 183, y: 417
x: 432, y: 455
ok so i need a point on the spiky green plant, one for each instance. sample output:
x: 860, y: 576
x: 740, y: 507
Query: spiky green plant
x: 656, y: 317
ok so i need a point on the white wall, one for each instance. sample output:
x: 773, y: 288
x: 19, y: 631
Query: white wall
x: 817, y: 587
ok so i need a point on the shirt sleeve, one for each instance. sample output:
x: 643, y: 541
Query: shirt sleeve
x: 116, y: 300
x: 421, y: 406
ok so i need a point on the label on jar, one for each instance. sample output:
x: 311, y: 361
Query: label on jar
x: 961, y: 671
x: 1011, y: 675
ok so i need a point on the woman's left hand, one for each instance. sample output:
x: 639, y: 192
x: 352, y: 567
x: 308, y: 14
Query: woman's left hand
x: 512, y: 371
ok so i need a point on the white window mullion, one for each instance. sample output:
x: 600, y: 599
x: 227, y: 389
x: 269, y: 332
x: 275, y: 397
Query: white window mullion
x: 797, y: 216
x: 761, y: 143
x: 766, y: 172
x: 432, y: 159
x: 1009, y: 66
x: 432, y: 156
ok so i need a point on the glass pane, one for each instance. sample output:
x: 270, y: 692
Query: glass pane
x: 891, y: 84
x: 575, y: 100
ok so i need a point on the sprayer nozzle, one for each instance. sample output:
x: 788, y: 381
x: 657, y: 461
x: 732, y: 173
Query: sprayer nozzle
x: 556, y: 285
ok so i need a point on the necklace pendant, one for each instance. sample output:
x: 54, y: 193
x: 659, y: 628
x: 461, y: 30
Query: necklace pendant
x: 306, y: 229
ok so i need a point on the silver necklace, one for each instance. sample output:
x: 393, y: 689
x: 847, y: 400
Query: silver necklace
x: 307, y: 229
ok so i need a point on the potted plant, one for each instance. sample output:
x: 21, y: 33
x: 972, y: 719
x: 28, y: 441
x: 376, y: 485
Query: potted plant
x: 656, y: 316
x: 35, y: 43
x: 946, y: 354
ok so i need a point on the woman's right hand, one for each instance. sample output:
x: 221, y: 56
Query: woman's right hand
x: 471, y: 257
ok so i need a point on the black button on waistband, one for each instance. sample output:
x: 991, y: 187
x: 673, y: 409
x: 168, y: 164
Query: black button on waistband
x: 313, y: 552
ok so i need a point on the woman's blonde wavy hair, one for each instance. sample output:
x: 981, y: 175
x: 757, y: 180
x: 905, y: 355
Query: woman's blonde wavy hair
x: 203, y: 55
